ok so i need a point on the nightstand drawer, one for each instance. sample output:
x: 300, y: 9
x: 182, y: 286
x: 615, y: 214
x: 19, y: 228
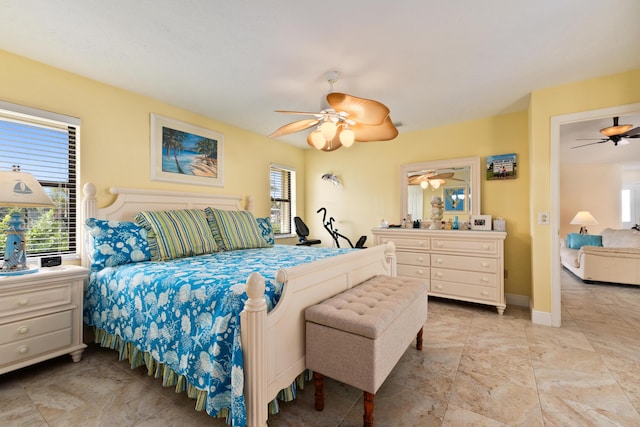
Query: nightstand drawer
x: 25, y: 300
x: 28, y: 328
x: 31, y: 347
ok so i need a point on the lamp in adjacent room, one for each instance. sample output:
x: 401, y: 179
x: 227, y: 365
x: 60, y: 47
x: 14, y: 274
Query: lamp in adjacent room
x: 583, y: 218
x: 19, y: 189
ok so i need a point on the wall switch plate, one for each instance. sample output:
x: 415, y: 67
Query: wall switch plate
x: 543, y: 218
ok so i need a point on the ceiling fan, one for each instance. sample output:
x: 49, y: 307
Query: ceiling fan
x: 618, y: 134
x: 432, y: 178
x: 342, y: 120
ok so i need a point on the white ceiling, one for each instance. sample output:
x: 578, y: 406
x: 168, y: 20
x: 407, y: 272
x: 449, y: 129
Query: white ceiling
x: 431, y: 62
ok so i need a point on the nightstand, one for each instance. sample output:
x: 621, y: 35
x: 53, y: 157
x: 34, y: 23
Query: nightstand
x: 41, y: 316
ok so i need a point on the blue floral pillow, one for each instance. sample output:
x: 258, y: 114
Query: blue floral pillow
x: 117, y: 242
x: 266, y: 230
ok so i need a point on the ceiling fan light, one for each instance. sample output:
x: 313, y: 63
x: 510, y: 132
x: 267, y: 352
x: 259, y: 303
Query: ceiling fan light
x: 317, y: 139
x: 615, y: 130
x: 347, y: 137
x: 424, y: 184
x: 435, y: 184
x: 328, y: 129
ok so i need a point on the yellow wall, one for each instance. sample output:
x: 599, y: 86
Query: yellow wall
x: 609, y: 91
x: 114, y: 140
x: 370, y: 183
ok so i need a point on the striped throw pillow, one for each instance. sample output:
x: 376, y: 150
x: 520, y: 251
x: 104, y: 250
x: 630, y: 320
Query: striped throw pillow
x: 236, y: 229
x: 176, y: 234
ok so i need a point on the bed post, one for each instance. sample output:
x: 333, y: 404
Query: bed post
x: 390, y: 255
x: 253, y: 327
x: 88, y: 211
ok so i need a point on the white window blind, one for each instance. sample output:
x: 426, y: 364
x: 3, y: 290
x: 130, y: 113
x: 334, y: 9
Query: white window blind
x: 282, y: 180
x: 43, y: 144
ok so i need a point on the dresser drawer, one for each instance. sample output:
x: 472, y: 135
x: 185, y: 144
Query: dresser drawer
x: 468, y: 277
x: 407, y: 242
x: 31, y: 347
x: 413, y: 258
x: 465, y: 246
x: 457, y: 262
x: 28, y: 328
x: 413, y: 271
x: 461, y: 290
x: 26, y: 300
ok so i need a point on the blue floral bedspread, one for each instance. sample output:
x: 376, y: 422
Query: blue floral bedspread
x: 186, y: 313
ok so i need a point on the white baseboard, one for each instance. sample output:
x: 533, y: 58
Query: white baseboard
x: 537, y: 317
x: 541, y: 318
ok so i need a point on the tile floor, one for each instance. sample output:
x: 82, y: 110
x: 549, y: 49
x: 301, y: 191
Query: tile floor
x: 476, y: 368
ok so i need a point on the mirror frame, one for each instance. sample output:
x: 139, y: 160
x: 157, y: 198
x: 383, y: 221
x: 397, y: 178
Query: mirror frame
x: 474, y: 187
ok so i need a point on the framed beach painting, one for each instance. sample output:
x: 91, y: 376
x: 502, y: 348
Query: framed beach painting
x: 186, y: 154
x: 502, y: 166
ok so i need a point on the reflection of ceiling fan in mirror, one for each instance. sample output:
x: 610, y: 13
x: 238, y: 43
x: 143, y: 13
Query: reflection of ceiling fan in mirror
x: 432, y: 178
x: 618, y: 134
x: 343, y: 120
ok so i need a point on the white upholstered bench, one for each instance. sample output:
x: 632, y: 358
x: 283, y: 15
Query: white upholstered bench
x: 358, y: 336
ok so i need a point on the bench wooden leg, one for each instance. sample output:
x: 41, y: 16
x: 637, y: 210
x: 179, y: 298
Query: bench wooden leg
x: 419, y: 339
x: 318, y: 380
x: 368, y: 410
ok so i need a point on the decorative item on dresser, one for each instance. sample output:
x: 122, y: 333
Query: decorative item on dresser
x: 461, y: 265
x: 41, y: 316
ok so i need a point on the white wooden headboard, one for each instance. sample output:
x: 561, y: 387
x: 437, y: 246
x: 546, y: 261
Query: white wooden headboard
x: 130, y: 201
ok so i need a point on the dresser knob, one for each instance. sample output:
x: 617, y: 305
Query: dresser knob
x: 438, y: 274
x: 420, y: 259
x: 23, y: 349
x: 485, y: 246
x: 439, y: 244
x: 421, y: 272
x: 484, y: 279
x: 23, y: 302
x: 484, y: 293
x: 485, y: 264
x: 23, y: 330
x: 438, y: 286
x: 439, y: 260
x: 420, y: 243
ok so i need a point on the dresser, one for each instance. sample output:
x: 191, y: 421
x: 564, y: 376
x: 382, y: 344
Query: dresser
x: 41, y: 316
x: 462, y: 265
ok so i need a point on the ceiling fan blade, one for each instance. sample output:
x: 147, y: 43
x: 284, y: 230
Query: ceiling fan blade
x: 294, y: 127
x: 382, y: 132
x: 445, y: 175
x: 633, y: 133
x: 303, y: 113
x: 364, y: 111
x: 591, y: 143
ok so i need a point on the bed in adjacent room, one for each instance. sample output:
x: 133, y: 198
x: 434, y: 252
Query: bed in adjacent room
x: 196, y: 315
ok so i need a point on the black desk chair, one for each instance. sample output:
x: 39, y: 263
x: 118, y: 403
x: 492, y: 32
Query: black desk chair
x: 303, y: 232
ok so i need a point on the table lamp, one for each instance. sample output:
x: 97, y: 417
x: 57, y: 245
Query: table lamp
x: 583, y: 218
x: 19, y: 189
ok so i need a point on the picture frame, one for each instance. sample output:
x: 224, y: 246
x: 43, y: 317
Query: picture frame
x: 480, y: 222
x: 502, y: 166
x: 455, y: 199
x: 186, y: 154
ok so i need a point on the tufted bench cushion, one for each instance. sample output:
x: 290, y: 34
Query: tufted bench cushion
x: 358, y: 336
x: 367, y: 309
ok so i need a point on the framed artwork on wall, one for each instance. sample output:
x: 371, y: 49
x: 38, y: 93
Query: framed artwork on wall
x: 502, y: 166
x: 455, y: 199
x: 186, y: 154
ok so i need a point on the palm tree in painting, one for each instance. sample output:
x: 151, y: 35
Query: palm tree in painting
x: 173, y: 140
x: 209, y: 149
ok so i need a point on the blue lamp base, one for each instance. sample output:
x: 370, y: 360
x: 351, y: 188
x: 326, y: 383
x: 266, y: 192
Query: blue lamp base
x: 15, y: 255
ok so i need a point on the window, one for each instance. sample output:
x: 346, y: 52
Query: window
x: 283, y: 189
x: 44, y: 145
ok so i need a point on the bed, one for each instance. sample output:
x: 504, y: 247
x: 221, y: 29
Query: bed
x: 270, y: 312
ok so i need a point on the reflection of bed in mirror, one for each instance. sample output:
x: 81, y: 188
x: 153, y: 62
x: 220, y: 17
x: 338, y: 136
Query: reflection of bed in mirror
x: 455, y: 181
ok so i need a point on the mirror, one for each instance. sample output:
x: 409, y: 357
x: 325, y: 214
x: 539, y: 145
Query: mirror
x: 456, y: 181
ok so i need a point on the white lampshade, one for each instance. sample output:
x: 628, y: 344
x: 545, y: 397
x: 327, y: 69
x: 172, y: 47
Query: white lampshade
x: 435, y: 184
x: 424, y: 184
x: 584, y: 218
x: 23, y: 190
x: 317, y: 139
x: 328, y: 129
x: 347, y: 137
